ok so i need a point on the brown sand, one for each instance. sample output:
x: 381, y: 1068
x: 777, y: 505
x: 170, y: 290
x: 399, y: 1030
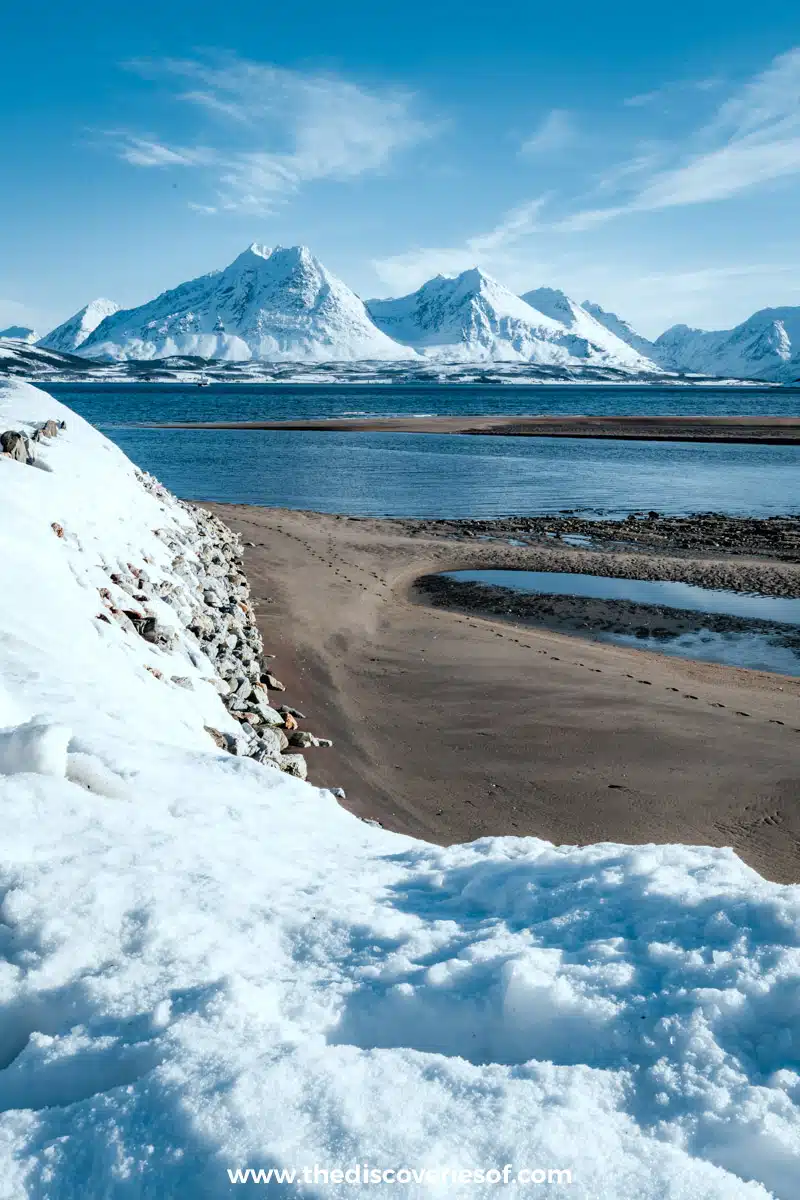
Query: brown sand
x: 452, y: 727
x: 776, y: 430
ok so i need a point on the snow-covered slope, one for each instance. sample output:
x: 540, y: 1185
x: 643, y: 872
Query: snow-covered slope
x: 472, y: 318
x: 621, y: 329
x: 279, y: 304
x: 19, y: 333
x: 68, y: 336
x: 208, y: 966
x: 604, y: 344
x: 765, y: 346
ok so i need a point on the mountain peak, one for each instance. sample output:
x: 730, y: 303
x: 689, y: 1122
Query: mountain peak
x: 278, y: 304
x: 73, y: 332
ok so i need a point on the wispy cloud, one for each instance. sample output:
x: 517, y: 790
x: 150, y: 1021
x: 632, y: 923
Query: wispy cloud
x: 669, y: 91
x: 290, y: 128
x: 556, y: 131
x: 148, y: 152
x: 490, y: 250
x: 754, y: 138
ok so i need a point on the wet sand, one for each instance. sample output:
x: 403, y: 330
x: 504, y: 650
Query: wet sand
x: 776, y: 430
x: 452, y: 726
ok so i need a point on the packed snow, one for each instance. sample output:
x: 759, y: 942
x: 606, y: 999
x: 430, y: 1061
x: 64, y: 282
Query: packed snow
x: 208, y: 966
x: 278, y: 304
x: 68, y: 336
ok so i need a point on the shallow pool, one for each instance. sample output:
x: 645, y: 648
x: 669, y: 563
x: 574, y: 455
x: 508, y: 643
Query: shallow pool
x: 641, y: 591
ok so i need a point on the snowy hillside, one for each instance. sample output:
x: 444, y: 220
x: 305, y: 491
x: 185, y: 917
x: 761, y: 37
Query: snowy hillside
x: 472, y: 317
x: 277, y: 304
x: 765, y: 346
x: 620, y: 328
x: 19, y: 333
x: 601, y: 342
x: 469, y: 317
x: 209, y: 966
x: 68, y: 336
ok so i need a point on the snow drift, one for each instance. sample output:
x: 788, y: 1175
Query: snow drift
x: 206, y: 965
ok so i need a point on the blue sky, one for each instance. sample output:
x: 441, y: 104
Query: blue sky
x: 645, y: 158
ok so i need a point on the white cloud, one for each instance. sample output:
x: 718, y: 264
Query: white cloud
x: 291, y: 128
x: 753, y: 139
x: 555, y: 132
x: 147, y: 152
x: 490, y: 251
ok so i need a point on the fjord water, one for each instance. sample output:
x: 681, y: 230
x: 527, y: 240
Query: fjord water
x: 434, y: 475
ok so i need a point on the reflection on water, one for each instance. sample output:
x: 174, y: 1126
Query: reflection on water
x: 759, y: 647
x: 642, y: 591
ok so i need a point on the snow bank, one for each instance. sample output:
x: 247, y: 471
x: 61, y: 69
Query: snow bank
x: 207, y: 965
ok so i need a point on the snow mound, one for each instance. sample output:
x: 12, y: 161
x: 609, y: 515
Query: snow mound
x: 209, y: 966
x: 68, y: 336
x: 277, y: 305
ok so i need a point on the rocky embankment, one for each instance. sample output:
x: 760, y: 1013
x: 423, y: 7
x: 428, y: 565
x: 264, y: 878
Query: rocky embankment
x: 201, y: 607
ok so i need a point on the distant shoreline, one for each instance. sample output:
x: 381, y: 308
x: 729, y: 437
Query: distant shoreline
x: 779, y: 431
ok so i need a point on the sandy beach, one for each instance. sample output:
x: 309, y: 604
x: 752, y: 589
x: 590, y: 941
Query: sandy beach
x: 452, y: 725
x: 775, y: 430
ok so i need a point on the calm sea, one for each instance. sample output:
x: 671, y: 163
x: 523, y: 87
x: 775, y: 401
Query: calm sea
x: 379, y: 474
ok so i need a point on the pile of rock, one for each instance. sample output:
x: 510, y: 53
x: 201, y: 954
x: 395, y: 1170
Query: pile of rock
x: 202, y: 608
x: 210, y: 594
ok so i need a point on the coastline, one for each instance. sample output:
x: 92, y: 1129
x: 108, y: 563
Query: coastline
x: 779, y: 431
x: 453, y: 726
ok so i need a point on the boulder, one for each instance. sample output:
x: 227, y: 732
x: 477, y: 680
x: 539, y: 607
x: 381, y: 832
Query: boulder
x: 294, y: 764
x: 49, y: 429
x: 16, y: 446
x: 272, y: 682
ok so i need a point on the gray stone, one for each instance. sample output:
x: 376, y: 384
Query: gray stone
x: 273, y: 741
x: 294, y: 764
x: 183, y: 681
x: 272, y: 682
x: 49, y: 429
x: 302, y: 739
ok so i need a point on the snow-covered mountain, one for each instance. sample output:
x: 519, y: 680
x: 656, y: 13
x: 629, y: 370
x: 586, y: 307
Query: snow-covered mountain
x: 620, y: 328
x: 581, y: 323
x: 279, y: 304
x: 19, y: 333
x: 765, y: 346
x: 72, y: 333
x: 472, y: 317
x: 469, y: 317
